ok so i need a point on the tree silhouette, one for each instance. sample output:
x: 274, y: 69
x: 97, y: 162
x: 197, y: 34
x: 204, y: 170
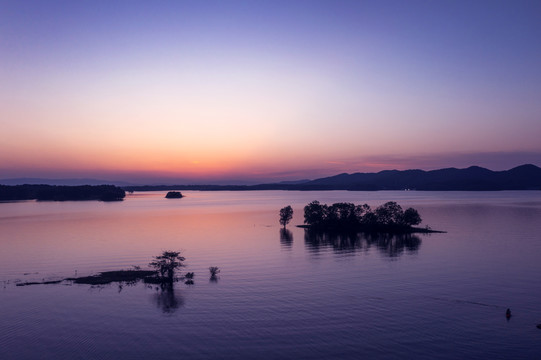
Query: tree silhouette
x: 315, y: 214
x: 167, y: 263
x: 389, y: 213
x: 286, y: 214
x: 411, y: 217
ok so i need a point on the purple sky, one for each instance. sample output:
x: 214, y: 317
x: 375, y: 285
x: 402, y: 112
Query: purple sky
x: 256, y: 91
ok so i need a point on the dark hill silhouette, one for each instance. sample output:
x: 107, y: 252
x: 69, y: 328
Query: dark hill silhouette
x: 525, y: 177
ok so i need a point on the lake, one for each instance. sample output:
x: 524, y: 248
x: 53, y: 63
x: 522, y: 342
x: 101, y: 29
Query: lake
x: 280, y: 294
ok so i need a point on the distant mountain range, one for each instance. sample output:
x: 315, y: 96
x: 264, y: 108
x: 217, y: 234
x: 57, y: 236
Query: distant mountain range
x: 525, y: 177
x: 474, y: 178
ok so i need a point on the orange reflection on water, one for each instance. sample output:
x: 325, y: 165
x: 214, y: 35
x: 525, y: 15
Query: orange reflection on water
x: 91, y: 237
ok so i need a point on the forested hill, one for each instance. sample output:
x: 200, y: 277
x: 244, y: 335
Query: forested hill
x: 525, y: 177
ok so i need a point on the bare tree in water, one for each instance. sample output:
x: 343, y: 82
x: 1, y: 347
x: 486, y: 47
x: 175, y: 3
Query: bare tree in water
x: 167, y: 263
x: 286, y: 214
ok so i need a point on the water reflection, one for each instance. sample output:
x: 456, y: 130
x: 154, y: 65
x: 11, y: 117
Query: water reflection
x: 164, y: 295
x: 166, y: 298
x: 390, y: 245
x: 286, y: 238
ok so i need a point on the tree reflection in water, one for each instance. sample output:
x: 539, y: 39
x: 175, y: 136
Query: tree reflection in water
x: 390, y: 245
x: 286, y: 238
x: 166, y: 299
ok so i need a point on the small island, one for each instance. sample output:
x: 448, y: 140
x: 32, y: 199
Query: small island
x: 165, y: 266
x: 174, y: 195
x: 387, y: 218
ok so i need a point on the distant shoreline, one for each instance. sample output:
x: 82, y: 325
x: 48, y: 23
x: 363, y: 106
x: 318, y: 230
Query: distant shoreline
x: 10, y: 193
x: 146, y: 188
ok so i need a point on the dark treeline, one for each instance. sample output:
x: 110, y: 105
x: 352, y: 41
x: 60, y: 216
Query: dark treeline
x: 210, y: 187
x: 388, y: 217
x: 61, y: 193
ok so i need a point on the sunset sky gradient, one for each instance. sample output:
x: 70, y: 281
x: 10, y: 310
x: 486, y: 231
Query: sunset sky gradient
x: 257, y: 91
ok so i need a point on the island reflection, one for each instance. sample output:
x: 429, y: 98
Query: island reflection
x: 389, y: 245
x: 165, y: 297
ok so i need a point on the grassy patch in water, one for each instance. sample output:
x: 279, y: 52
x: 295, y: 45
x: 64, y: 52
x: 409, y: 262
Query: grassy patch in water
x: 108, y: 277
x: 102, y: 278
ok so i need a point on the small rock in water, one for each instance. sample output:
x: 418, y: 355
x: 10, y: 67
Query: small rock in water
x: 539, y: 326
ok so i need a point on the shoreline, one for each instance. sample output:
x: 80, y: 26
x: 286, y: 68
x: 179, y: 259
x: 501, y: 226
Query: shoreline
x: 372, y: 230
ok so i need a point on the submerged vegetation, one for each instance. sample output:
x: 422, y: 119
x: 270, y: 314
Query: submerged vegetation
x: 108, y: 277
x: 388, y: 217
x: 61, y: 193
x: 165, y: 274
x: 103, y: 278
x: 214, y: 270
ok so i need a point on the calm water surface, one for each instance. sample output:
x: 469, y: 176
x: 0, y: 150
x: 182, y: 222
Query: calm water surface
x: 281, y: 294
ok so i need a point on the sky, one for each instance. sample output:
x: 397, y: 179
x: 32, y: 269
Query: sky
x: 261, y: 91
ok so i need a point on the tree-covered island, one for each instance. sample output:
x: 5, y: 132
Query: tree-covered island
x: 174, y: 195
x: 389, y: 218
x: 61, y: 192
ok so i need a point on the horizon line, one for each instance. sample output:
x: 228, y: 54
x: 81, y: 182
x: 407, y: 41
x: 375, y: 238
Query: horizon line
x: 239, y: 182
